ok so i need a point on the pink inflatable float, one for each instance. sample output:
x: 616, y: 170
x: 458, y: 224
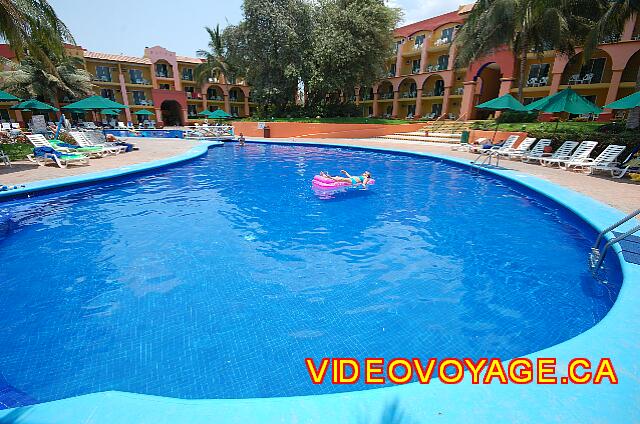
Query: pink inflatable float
x: 327, y: 183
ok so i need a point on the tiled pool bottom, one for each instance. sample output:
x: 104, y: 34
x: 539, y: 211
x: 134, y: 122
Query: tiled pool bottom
x: 436, y: 401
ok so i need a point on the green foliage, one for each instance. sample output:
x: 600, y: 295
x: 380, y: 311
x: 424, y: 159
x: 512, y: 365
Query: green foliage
x: 336, y: 120
x: 33, y: 26
x: 215, y: 61
x: 16, y: 151
x: 32, y: 78
x: 510, y: 116
x: 312, y: 52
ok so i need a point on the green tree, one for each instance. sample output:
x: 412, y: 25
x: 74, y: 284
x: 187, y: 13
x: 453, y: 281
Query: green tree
x: 33, y: 26
x: 215, y: 60
x: 524, y: 26
x: 612, y: 21
x: 31, y: 78
x: 351, y: 41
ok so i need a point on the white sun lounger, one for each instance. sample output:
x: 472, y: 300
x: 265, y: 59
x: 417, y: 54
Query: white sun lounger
x: 84, y: 141
x: 563, y: 153
x: 606, y: 161
x: 537, y: 152
x: 63, y: 158
x: 582, y: 152
x: 5, y: 159
x: 522, y: 148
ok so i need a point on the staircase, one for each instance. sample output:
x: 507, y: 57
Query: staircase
x: 435, y: 132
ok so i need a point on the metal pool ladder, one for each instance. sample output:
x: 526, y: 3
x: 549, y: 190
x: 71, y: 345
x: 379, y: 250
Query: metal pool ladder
x: 597, y: 255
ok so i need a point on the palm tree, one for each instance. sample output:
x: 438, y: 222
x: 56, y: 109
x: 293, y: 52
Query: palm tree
x: 524, y: 26
x: 612, y: 21
x: 32, y: 26
x: 215, y: 60
x: 31, y: 78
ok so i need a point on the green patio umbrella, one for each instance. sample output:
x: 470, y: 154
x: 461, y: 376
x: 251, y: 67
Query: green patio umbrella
x: 6, y: 97
x: 205, y: 113
x: 502, y: 103
x: 34, y: 105
x: 219, y: 114
x: 95, y: 103
x: 143, y: 112
x: 564, y: 101
x: 630, y: 102
x: 110, y: 112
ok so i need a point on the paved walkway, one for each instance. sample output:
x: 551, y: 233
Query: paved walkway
x: 622, y: 194
x: 151, y: 149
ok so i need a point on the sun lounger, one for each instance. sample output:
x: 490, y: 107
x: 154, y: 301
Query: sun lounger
x: 84, y: 141
x: 632, y: 165
x: 563, y: 153
x: 503, y: 148
x: 604, y: 162
x: 42, y: 155
x: 522, y: 148
x: 582, y: 152
x: 38, y: 140
x: 537, y: 152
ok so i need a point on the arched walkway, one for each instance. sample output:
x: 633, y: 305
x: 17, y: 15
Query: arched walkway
x: 488, y: 87
x: 171, y: 113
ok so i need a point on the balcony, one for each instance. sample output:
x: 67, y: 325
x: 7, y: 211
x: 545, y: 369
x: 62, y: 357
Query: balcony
x: 409, y: 95
x: 386, y: 96
x: 415, y: 70
x: 140, y: 81
x: 538, y: 82
x: 433, y: 93
x: 611, y: 39
x: 142, y: 102
x: 102, y: 78
x: 366, y: 97
x: 215, y: 98
x: 437, y: 68
x: 458, y: 91
x: 636, y: 37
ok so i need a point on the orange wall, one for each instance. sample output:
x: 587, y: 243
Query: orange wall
x: 309, y: 130
x: 500, y: 136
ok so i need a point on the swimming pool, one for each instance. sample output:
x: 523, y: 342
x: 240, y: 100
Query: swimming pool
x: 176, y: 283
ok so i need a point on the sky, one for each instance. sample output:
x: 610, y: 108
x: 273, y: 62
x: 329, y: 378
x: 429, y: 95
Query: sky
x: 100, y: 26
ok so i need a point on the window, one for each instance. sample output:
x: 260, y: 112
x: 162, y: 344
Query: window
x: 192, y: 110
x: 187, y: 74
x: 136, y: 76
x: 411, y: 110
x: 108, y: 93
x: 594, y: 67
x: 212, y: 94
x: 103, y: 73
x: 443, y: 62
x: 162, y: 70
x: 139, y: 98
x: 165, y: 86
x: 438, y: 89
x: 189, y: 91
x: 397, y: 46
x: 392, y: 70
x: 235, y: 111
x: 419, y: 41
x: 538, y: 74
x: 436, y: 108
x: 447, y: 35
x: 415, y: 66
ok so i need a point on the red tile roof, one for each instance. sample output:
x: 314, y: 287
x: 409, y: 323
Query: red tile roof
x: 188, y: 59
x: 116, y: 58
x: 431, y: 23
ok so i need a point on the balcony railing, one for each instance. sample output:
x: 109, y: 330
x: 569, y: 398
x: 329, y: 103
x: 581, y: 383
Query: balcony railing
x: 538, y: 82
x: 102, y: 78
x: 140, y: 81
x: 459, y: 91
x: 215, y: 98
x: 442, y: 42
x: 636, y: 36
x: 386, y: 96
x: 577, y: 79
x: 161, y: 74
x: 366, y: 97
x: 415, y: 70
x: 409, y: 95
x: 187, y: 77
x: 391, y: 74
x: 142, y: 102
x: 610, y: 39
x: 433, y: 93
x: 436, y: 68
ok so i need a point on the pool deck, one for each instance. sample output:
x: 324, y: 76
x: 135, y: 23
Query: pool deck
x: 615, y: 337
x: 151, y: 149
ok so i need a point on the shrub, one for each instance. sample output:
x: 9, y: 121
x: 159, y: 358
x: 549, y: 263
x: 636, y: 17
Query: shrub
x: 516, y: 117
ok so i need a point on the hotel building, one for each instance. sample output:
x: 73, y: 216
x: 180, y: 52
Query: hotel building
x: 161, y: 82
x: 423, y: 82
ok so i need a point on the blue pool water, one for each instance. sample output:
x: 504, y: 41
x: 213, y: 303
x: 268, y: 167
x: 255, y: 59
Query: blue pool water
x: 216, y: 278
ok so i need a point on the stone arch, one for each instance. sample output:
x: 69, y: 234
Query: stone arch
x: 575, y: 71
x: 434, y: 85
x: 215, y: 92
x: 236, y: 94
x: 488, y: 86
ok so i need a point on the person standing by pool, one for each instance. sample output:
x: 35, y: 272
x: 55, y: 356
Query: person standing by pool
x: 241, y: 139
x: 361, y: 179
